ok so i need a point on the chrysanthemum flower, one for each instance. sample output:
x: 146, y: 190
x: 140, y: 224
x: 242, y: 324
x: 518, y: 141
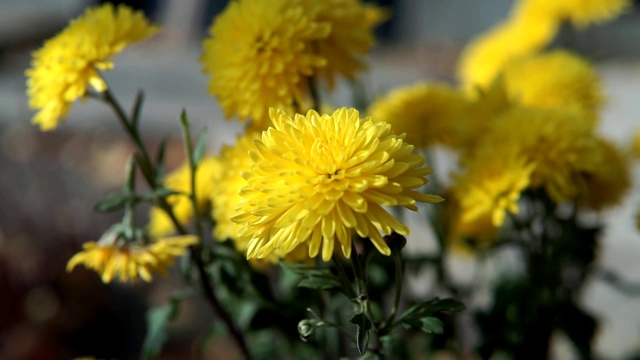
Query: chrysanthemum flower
x: 556, y: 79
x: 314, y: 179
x: 68, y: 64
x: 209, y: 170
x: 352, y: 24
x: 426, y: 113
x: 484, y: 58
x: 465, y: 236
x: 260, y: 54
x: 580, y: 12
x: 607, y: 181
x: 492, y: 183
x: 560, y: 143
x: 130, y: 261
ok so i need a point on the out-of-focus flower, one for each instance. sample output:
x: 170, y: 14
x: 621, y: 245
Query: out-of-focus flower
x: 351, y: 36
x: 427, y: 113
x: 485, y: 57
x: 130, y: 261
x: 581, y: 13
x: 209, y: 170
x: 491, y: 184
x: 68, y: 64
x: 260, y: 54
x: 607, y: 181
x: 556, y: 79
x: 559, y: 142
x: 315, y: 179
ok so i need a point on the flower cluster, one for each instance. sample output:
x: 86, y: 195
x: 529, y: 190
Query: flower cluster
x: 68, y: 64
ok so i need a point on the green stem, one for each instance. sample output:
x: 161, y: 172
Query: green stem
x: 193, y: 168
x: 399, y: 267
x: 196, y: 251
x: 344, y: 279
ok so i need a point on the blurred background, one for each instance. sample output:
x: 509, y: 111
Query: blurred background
x: 50, y: 181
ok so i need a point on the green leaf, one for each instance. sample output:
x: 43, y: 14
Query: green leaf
x: 305, y: 270
x: 200, y: 147
x: 431, y: 307
x: 319, y: 283
x: 362, y: 339
x: 431, y: 325
x: 160, y: 160
x: 157, y: 319
x: 137, y: 107
x: 363, y: 324
x: 144, y: 167
x: 113, y: 202
x: 160, y: 193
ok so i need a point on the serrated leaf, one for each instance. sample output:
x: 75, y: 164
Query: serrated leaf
x: 306, y: 270
x: 319, y: 283
x: 113, y: 202
x: 431, y: 325
x: 420, y: 310
x: 200, y: 147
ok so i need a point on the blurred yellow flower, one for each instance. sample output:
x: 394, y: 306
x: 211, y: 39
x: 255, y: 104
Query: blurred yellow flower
x: 465, y: 236
x: 351, y: 36
x: 426, y: 113
x: 68, y: 64
x: 557, y: 79
x: 130, y: 261
x: 226, y: 195
x: 208, y: 172
x: 314, y: 179
x: 559, y: 142
x: 607, y: 181
x: 580, y: 12
x: 492, y: 183
x: 485, y: 57
x: 259, y: 54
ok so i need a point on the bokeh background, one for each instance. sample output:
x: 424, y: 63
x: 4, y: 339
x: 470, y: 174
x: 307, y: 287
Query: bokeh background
x: 50, y: 181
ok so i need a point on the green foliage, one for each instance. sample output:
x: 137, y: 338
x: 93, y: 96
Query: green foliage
x: 157, y: 320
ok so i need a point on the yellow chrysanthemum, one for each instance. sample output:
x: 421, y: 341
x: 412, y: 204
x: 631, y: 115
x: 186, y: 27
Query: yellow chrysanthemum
x: 491, y: 184
x: 580, y: 12
x: 426, y: 113
x: 464, y: 237
x: 68, y: 64
x: 179, y: 180
x: 260, y: 54
x: 607, y: 181
x: 556, y: 79
x: 314, y: 179
x: 129, y: 261
x: 484, y: 58
x: 351, y: 36
x: 560, y: 143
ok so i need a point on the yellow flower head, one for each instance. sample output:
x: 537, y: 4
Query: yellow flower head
x: 580, y: 12
x: 464, y: 236
x: 555, y: 79
x: 492, y: 183
x: 524, y: 33
x: 63, y: 69
x: 259, y: 55
x: 559, y: 142
x: 129, y: 261
x: 314, y: 179
x: 352, y: 24
x: 180, y: 180
x: 226, y: 197
x: 607, y: 181
x: 426, y: 113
